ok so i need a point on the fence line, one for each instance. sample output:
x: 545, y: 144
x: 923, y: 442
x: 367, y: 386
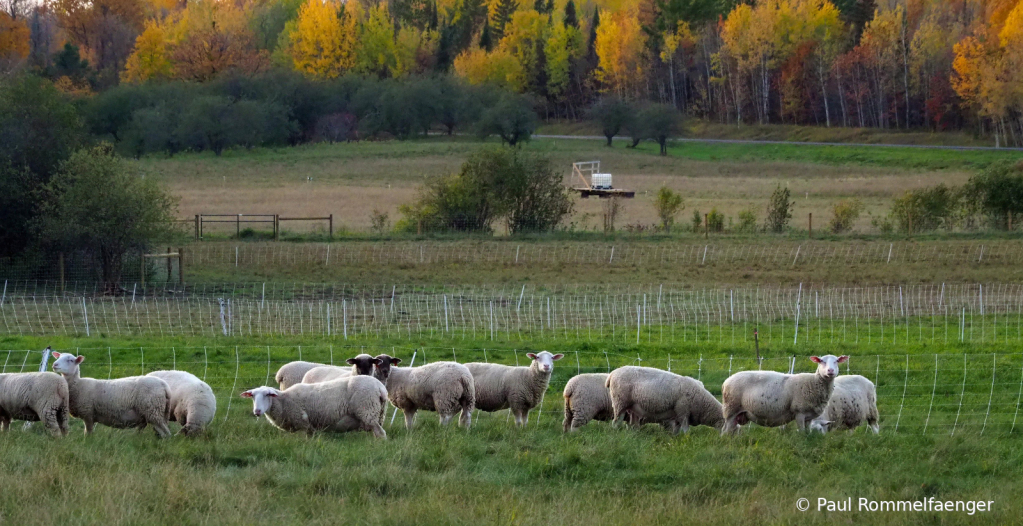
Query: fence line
x: 917, y: 393
x: 885, y: 315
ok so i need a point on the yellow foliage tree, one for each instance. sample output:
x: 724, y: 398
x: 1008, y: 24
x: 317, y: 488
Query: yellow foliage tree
x: 323, y: 42
x: 13, y: 38
x: 619, y: 46
x: 150, y: 58
x: 499, y: 68
x: 414, y: 51
x: 376, y: 43
x: 564, y: 45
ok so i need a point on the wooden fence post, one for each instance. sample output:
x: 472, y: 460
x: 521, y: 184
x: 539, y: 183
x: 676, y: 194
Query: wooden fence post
x: 238, y: 226
x: 200, y: 227
x: 197, y: 227
x: 170, y: 269
x: 706, y: 226
x: 142, y: 268
x: 331, y: 234
x: 181, y: 266
x: 811, y: 224
x: 277, y: 226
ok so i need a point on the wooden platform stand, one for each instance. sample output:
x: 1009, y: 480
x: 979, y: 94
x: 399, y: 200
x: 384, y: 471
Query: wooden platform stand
x: 593, y: 167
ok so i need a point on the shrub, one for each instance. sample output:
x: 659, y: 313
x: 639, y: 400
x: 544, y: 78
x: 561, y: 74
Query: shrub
x: 779, y: 210
x: 379, y: 221
x: 747, y: 221
x: 715, y: 221
x: 697, y: 220
x: 926, y: 209
x: 844, y: 214
x: 613, y: 114
x: 668, y: 204
x: 612, y: 207
x: 492, y: 183
x: 998, y: 192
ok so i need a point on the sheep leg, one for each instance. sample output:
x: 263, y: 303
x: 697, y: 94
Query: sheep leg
x: 62, y: 421
x: 5, y: 424
x: 89, y: 426
x: 162, y: 431
x: 445, y: 418
x: 410, y: 417
x: 49, y: 416
x: 465, y: 418
x: 567, y: 423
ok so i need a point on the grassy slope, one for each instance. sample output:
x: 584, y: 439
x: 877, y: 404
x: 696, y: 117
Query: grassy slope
x: 244, y: 471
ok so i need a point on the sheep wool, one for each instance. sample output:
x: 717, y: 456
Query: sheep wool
x: 853, y: 403
x: 291, y: 373
x: 586, y: 398
x: 517, y: 388
x: 444, y: 387
x: 649, y: 395
x: 346, y: 404
x: 132, y: 402
x: 192, y: 403
x: 34, y: 397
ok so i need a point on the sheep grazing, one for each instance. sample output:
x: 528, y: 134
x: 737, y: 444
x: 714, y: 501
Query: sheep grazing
x: 132, y: 402
x: 360, y: 365
x: 192, y: 404
x: 853, y: 403
x: 347, y: 404
x: 774, y: 399
x: 517, y: 388
x: 444, y: 387
x: 291, y: 373
x: 34, y: 397
x: 651, y: 395
x: 586, y: 398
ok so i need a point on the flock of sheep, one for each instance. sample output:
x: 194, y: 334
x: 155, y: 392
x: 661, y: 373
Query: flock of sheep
x: 316, y: 397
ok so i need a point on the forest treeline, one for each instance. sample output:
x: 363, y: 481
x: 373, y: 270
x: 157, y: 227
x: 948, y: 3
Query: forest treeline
x: 894, y: 64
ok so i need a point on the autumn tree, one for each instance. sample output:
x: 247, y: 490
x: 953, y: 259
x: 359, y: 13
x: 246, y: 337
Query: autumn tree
x: 324, y: 41
x: 14, y: 39
x: 620, y: 47
x: 151, y: 57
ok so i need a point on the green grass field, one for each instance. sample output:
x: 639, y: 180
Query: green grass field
x: 245, y: 471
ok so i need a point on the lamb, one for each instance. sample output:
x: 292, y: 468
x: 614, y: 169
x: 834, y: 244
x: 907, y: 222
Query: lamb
x: 774, y: 399
x: 132, y: 402
x: 361, y: 364
x: 291, y: 373
x: 443, y: 387
x: 342, y: 405
x: 192, y: 403
x: 853, y: 403
x: 34, y: 397
x: 586, y: 398
x: 651, y: 395
x: 517, y: 388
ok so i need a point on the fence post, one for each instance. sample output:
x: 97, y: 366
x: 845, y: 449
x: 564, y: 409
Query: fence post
x: 810, y: 223
x: 706, y: 226
x: 181, y: 265
x: 197, y: 227
x: 238, y: 226
x: 277, y: 227
x: 170, y: 274
x: 200, y: 226
x: 330, y: 234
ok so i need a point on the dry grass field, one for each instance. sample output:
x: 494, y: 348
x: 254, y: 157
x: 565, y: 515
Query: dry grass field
x: 352, y: 180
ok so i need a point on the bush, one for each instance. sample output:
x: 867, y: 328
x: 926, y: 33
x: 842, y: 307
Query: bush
x: 696, y: 220
x: 843, y: 214
x: 612, y: 207
x: 380, y: 222
x: 668, y: 204
x: 926, y: 209
x: 747, y: 221
x: 779, y: 210
x: 512, y: 119
x: 614, y: 115
x: 998, y: 193
x: 493, y: 183
x: 715, y: 221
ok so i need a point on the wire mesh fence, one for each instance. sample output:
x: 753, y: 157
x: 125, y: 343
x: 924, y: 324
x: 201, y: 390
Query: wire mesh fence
x: 930, y: 394
x: 936, y: 313
x: 81, y: 273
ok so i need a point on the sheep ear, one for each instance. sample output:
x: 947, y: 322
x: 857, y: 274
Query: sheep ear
x: 55, y: 354
x: 273, y: 393
x: 843, y: 359
x: 377, y: 361
x: 247, y: 394
x: 395, y: 361
x: 815, y: 359
x: 80, y: 359
x: 557, y: 356
x: 531, y: 355
x: 351, y: 361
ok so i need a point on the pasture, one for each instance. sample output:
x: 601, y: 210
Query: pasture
x: 353, y: 180
x: 946, y: 432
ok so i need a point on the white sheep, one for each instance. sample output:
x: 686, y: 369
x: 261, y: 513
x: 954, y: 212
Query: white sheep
x: 853, y: 403
x: 192, y: 404
x: 347, y: 404
x: 586, y: 398
x: 34, y: 397
x: 132, y: 402
x: 652, y: 395
x: 444, y: 387
x: 774, y: 399
x: 291, y: 373
x: 361, y: 364
x: 517, y: 388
